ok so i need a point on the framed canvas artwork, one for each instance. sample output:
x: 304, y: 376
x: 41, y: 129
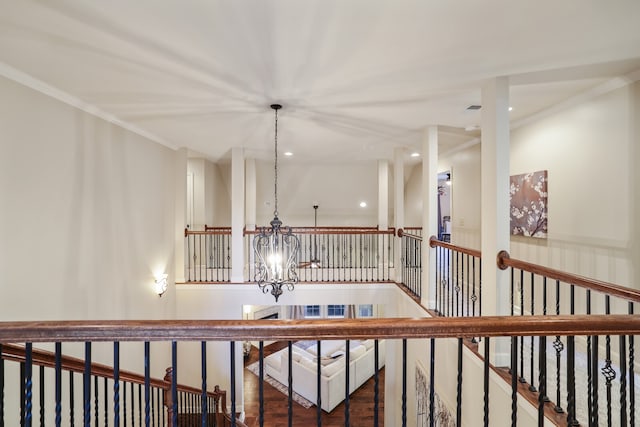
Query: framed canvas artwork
x: 528, y: 211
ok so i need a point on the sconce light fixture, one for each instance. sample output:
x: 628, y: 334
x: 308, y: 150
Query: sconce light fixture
x: 161, y: 284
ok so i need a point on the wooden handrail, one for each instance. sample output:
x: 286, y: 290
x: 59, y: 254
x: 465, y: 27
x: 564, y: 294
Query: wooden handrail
x: 208, y: 231
x: 44, y: 358
x: 433, y: 242
x: 332, y: 230
x: 325, y: 329
x: 504, y: 261
x: 402, y: 233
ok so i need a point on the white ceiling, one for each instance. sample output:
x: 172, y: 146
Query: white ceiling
x: 357, y: 78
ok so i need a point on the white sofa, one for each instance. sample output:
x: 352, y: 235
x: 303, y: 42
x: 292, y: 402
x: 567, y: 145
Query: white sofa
x: 332, y: 379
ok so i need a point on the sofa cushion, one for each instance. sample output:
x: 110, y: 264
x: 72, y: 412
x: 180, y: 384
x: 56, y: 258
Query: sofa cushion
x: 356, y: 352
x: 368, y: 343
x: 332, y: 368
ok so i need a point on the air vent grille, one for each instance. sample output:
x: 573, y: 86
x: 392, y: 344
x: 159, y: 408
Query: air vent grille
x: 474, y: 107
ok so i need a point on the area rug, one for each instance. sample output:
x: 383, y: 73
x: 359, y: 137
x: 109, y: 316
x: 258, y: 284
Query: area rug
x: 254, y: 368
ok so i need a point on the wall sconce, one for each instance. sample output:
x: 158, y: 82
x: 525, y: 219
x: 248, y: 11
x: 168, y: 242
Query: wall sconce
x: 161, y: 284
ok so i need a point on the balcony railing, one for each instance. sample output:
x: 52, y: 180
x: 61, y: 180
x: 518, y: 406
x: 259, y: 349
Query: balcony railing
x: 411, y: 260
x: 338, y: 254
x: 208, y: 255
x: 434, y: 331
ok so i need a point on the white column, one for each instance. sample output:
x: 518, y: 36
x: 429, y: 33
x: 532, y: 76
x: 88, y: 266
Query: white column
x: 383, y: 195
x: 429, y: 213
x: 237, y: 215
x: 495, y: 203
x: 180, y: 212
x: 250, y: 196
x: 398, y: 211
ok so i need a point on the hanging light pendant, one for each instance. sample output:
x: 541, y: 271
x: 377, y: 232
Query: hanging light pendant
x: 276, y: 248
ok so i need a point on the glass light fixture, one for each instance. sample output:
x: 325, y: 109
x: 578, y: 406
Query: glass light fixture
x: 161, y: 284
x: 276, y: 247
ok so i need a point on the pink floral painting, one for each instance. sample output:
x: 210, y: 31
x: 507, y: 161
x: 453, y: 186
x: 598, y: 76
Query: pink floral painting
x: 528, y: 214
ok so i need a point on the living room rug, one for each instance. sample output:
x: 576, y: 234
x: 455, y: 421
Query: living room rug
x: 254, y: 369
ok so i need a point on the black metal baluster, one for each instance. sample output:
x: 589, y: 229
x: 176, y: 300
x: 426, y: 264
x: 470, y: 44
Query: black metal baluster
x: 147, y: 383
x: 474, y: 297
x: 457, y: 287
x: 133, y: 405
x: 86, y: 380
x: 544, y: 395
x: 514, y: 381
x: 521, y: 378
x: 632, y: 382
x: 28, y: 381
x: 558, y: 346
x: 42, y: 396
x: 261, y: 382
x: 1, y: 388
x: 106, y: 401
x: 318, y: 385
x: 459, y: 388
x: 174, y: 387
x: 480, y: 288
x: 347, y: 362
x: 96, y: 407
x: 233, y: 384
x: 58, y: 374
x: 71, y: 400
x: 532, y: 387
x: 542, y: 379
x: 439, y: 262
x: 571, y: 382
x: 116, y: 384
x: 465, y: 302
x: 23, y: 391
x: 204, y: 410
x: 623, y: 380
x: 290, y: 383
x: 486, y: 381
x: 432, y: 375
x: 608, y: 372
x: 590, y: 368
x: 404, y: 382
x: 376, y: 383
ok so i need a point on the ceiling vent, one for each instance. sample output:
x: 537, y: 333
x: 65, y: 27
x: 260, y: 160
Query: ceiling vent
x: 474, y: 107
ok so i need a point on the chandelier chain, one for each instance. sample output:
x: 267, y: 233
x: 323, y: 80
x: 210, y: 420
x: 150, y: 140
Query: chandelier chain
x: 275, y: 211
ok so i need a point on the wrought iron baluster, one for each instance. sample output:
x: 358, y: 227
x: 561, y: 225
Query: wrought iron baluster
x: 28, y: 381
x: 486, y: 381
x: 87, y: 384
x: 233, y: 383
x: 71, y: 399
x: 632, y: 383
x: 542, y: 379
x: 96, y: 407
x: 432, y: 375
x: 514, y: 381
x: 174, y: 386
x: 532, y: 387
x: 376, y: 382
x: 521, y: 286
x: 290, y: 383
x: 623, y: 380
x: 204, y: 410
x: 319, y: 384
x: 558, y: 346
x: 116, y: 383
x: 347, y: 362
x: 105, y: 401
x: 608, y: 372
x: 147, y: 382
x: 42, y: 402
x: 261, y: 383
x: 404, y: 381
x: 571, y: 382
x: 459, y: 383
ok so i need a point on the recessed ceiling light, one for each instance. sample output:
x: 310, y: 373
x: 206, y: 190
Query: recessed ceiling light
x: 288, y: 153
x: 363, y: 204
x: 510, y: 108
x: 415, y: 154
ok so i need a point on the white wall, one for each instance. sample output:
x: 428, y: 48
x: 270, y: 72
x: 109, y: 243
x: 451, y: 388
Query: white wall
x: 211, y: 197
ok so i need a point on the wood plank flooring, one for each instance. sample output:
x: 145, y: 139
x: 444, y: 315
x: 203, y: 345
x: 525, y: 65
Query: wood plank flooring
x: 276, y: 408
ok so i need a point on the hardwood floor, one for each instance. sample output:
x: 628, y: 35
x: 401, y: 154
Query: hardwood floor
x: 276, y: 409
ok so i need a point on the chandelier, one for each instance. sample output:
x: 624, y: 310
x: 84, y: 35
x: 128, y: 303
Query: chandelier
x: 276, y: 247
